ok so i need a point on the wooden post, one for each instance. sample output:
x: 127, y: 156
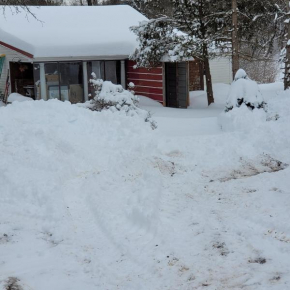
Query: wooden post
x: 42, y: 82
x: 123, y: 74
x: 85, y: 80
x: 235, y: 38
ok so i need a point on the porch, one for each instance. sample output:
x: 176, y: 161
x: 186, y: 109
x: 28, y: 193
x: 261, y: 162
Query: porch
x: 65, y: 81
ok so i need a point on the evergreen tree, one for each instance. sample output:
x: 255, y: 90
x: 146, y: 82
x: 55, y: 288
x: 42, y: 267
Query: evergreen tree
x: 257, y: 28
x: 205, y: 22
x: 152, y: 8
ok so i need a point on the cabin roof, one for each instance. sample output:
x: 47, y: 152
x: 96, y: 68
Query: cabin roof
x: 71, y: 31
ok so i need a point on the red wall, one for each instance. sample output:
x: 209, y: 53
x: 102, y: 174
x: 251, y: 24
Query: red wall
x: 148, y: 83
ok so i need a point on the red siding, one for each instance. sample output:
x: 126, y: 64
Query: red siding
x: 141, y: 76
x: 148, y: 83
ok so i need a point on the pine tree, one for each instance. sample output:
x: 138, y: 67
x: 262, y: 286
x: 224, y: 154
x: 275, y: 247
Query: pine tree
x: 205, y: 21
x: 152, y: 8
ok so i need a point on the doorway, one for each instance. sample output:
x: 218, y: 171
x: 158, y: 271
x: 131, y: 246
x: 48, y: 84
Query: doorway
x: 21, y: 78
x: 176, y: 83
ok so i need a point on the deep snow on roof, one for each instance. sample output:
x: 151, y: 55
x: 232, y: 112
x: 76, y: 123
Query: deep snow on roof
x: 72, y: 31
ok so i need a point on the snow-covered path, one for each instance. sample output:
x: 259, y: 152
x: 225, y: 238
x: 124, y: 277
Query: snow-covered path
x: 95, y: 201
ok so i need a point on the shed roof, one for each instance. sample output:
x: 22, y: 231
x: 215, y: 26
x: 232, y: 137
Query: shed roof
x: 72, y: 31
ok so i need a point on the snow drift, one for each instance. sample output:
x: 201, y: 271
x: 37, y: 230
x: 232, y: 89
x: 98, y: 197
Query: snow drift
x: 97, y: 200
x: 15, y: 97
x: 50, y: 153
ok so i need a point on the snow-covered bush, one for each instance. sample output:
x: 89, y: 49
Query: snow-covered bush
x: 116, y: 99
x: 244, y: 91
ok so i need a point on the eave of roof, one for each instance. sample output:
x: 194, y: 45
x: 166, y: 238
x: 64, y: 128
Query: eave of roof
x: 16, y: 49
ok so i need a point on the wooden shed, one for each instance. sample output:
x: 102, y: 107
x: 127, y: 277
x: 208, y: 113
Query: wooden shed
x: 169, y: 84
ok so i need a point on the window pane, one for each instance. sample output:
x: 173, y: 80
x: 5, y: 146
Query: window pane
x: 111, y: 71
x: 97, y: 67
x: 52, y: 80
x: 71, y: 82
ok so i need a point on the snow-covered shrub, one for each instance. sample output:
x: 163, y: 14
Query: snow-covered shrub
x: 116, y: 99
x: 131, y: 88
x: 244, y: 91
x: 243, y: 119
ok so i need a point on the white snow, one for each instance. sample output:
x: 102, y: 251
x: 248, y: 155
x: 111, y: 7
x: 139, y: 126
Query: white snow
x: 15, y: 97
x: 241, y: 74
x: 72, y: 31
x: 97, y: 200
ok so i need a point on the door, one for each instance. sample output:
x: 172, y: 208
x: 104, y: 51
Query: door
x: 176, y: 84
x: 182, y: 86
x: 21, y: 78
x: 171, y: 84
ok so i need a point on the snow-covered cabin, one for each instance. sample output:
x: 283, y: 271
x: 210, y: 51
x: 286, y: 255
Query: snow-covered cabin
x: 54, y: 54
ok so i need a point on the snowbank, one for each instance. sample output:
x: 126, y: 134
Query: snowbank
x: 145, y: 101
x: 51, y: 152
x: 15, y: 97
x: 97, y: 200
x: 243, y: 119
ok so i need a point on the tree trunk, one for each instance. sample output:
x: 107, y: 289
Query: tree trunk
x: 287, y: 60
x: 235, y: 39
x: 90, y: 2
x: 205, y: 55
x: 208, y: 82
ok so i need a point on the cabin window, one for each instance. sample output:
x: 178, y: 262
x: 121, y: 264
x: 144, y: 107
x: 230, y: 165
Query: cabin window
x: 105, y: 70
x: 71, y: 82
x: 52, y: 81
x: 64, y: 81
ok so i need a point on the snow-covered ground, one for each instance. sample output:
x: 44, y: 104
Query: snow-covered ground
x: 100, y: 201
